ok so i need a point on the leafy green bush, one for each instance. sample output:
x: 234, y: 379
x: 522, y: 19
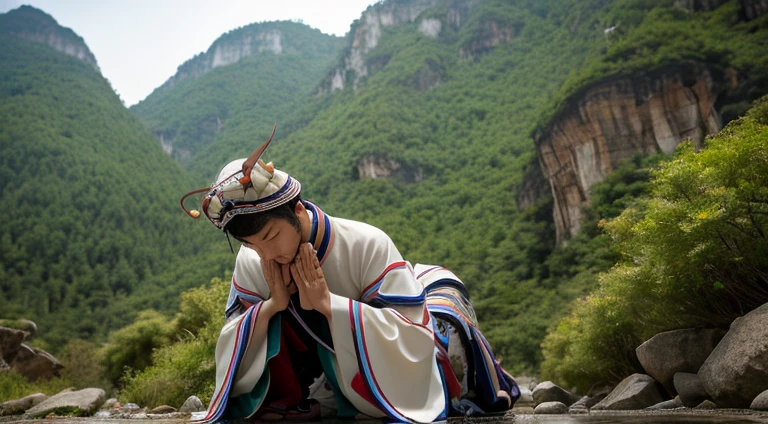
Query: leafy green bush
x: 130, y: 348
x: 185, y: 367
x: 15, y: 386
x: 694, y: 254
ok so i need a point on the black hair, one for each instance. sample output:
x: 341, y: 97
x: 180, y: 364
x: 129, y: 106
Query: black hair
x: 248, y: 224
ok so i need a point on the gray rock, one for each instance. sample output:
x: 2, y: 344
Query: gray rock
x: 109, y: 404
x: 35, y: 364
x: 737, y: 370
x: 580, y: 406
x: 550, y: 392
x: 86, y: 401
x: 671, y: 352
x: 760, y: 402
x: 105, y: 413
x: 24, y: 325
x: 551, y: 408
x: 707, y: 404
x: 690, y: 390
x: 10, y: 342
x: 192, y: 404
x: 163, y: 409
x: 130, y: 408
x: 526, y: 397
x: 667, y: 404
x: 18, y: 406
x: 637, y: 391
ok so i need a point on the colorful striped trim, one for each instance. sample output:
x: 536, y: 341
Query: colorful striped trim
x: 364, y: 363
x: 322, y: 234
x: 240, y: 296
x: 372, y: 296
x: 244, y: 332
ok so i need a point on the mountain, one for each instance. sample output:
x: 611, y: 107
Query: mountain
x: 642, y: 96
x: 426, y: 124
x: 228, y: 97
x: 35, y: 25
x: 92, y: 231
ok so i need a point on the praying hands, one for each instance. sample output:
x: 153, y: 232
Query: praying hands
x: 309, y: 279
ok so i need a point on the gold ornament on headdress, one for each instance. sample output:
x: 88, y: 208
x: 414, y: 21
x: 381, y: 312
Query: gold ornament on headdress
x: 245, y: 180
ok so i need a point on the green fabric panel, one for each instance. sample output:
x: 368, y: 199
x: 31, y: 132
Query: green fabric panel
x: 246, y: 404
x: 344, y: 409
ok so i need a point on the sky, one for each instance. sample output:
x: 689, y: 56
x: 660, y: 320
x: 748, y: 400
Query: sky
x: 138, y: 44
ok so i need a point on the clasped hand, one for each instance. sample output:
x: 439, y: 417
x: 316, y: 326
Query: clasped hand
x: 308, y: 278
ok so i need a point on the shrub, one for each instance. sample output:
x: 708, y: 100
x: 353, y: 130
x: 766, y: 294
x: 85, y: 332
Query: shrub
x: 694, y: 254
x: 185, y: 367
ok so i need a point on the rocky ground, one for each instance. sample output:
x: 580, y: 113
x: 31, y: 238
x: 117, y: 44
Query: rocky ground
x: 683, y: 415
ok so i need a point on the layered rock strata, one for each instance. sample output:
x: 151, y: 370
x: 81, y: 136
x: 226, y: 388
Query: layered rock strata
x: 615, y: 120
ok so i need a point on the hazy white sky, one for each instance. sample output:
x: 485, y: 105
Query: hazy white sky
x: 140, y: 43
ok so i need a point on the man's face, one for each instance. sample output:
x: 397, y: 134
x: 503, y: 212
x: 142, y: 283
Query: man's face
x: 278, y: 240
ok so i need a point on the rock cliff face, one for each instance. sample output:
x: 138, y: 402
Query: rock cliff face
x: 35, y: 25
x: 614, y: 120
x: 365, y: 35
x: 372, y: 167
x: 231, y: 48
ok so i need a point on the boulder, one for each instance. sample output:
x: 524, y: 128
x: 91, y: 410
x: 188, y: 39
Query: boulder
x: 163, y: 409
x: 192, y: 404
x: 707, y: 404
x: 580, y: 406
x: 130, y: 408
x: 551, y: 408
x: 760, y: 402
x: 81, y: 403
x: 550, y: 392
x: 637, y: 391
x: 35, y: 364
x: 667, y: 404
x: 690, y: 390
x: 110, y: 404
x: 18, y: 406
x: 10, y: 343
x: 737, y: 370
x: 671, y: 352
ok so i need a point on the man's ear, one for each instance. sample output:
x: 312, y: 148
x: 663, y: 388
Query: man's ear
x: 299, y: 208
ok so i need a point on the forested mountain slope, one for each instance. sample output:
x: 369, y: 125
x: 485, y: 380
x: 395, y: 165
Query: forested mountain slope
x: 226, y: 99
x: 91, y: 232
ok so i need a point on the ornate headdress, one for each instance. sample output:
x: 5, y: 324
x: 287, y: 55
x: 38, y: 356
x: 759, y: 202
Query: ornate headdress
x: 245, y: 186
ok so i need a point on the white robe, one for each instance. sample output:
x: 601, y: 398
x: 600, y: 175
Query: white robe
x: 392, y: 345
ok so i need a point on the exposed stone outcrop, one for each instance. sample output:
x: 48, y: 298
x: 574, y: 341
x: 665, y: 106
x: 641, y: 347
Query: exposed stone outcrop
x: 493, y: 34
x: 676, y: 351
x: 614, y: 120
x: 231, y: 48
x: 36, y: 364
x: 373, y: 167
x: 35, y: 25
x: 365, y: 35
x: 737, y: 370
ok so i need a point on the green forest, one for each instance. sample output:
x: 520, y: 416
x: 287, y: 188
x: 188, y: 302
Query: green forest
x: 96, y: 250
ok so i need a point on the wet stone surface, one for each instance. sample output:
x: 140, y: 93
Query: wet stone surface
x: 683, y: 415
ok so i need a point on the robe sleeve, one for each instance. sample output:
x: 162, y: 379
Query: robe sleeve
x: 241, y: 350
x: 384, y: 342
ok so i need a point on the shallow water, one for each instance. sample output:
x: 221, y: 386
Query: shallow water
x: 687, y: 416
